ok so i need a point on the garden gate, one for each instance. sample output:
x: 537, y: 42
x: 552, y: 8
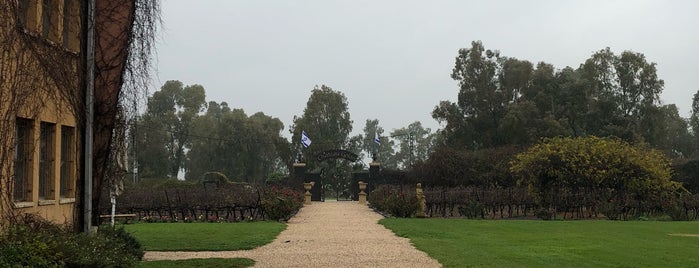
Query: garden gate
x: 317, y: 191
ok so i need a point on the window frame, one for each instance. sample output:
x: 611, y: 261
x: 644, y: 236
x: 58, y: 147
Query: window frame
x: 47, y: 161
x: 23, y: 166
x: 68, y: 166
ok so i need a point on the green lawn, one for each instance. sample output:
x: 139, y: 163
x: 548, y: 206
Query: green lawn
x: 196, y: 263
x: 204, y: 236
x: 522, y: 243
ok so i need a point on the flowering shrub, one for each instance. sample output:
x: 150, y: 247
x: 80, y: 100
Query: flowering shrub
x: 280, y: 203
x: 394, y: 201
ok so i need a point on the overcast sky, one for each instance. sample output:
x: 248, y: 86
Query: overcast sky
x: 392, y: 59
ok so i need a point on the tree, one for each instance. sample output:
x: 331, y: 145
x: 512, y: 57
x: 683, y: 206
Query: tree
x: 663, y: 128
x: 480, y: 101
x: 499, y: 98
x: 624, y: 88
x: 524, y: 123
x: 174, y: 108
x: 241, y: 147
x: 416, y: 144
x: 694, y: 121
x: 151, y: 148
x: 567, y: 96
x: 505, y: 101
x: 327, y: 122
x: 384, y: 151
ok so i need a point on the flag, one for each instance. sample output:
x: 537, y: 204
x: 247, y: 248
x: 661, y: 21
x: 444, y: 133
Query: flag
x: 305, y: 140
x: 376, y: 138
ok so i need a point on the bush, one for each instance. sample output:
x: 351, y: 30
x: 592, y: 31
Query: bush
x: 35, y: 242
x: 393, y: 201
x: 32, y: 242
x: 280, y: 203
x: 603, y: 164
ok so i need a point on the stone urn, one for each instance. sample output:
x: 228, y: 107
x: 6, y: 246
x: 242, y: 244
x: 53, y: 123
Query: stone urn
x: 362, y: 194
x: 307, y: 194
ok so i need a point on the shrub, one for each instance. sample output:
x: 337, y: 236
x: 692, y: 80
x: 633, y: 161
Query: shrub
x: 280, y: 203
x: 32, y: 242
x: 35, y: 242
x: 606, y: 164
x: 111, y: 248
x: 393, y: 201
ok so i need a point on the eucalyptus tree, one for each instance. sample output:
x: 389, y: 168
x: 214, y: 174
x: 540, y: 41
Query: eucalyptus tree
x: 480, y: 102
x: 244, y: 148
x: 416, y: 144
x: 326, y: 121
x: 497, y: 98
x: 624, y: 89
x: 168, y: 120
x: 506, y: 101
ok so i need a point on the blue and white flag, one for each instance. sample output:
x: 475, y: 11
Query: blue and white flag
x: 305, y: 140
x: 376, y: 138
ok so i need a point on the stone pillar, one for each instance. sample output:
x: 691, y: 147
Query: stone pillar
x: 299, y: 173
x: 362, y: 194
x: 307, y: 195
x: 374, y: 169
x: 421, y: 201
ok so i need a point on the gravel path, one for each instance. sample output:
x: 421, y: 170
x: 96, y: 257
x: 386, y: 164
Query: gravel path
x: 326, y: 234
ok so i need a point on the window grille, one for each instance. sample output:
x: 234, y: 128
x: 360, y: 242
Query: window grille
x: 67, y: 161
x: 22, y: 162
x: 46, y: 161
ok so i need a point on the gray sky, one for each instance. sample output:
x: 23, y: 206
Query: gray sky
x: 392, y: 59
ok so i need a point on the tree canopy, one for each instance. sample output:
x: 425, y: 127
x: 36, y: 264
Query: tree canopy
x: 506, y: 101
x: 326, y: 120
x: 166, y: 128
x: 173, y: 135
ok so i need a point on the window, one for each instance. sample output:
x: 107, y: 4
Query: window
x: 47, y: 147
x: 26, y: 12
x: 22, y: 6
x: 55, y: 20
x: 67, y: 162
x: 23, y: 157
x: 67, y: 4
x: 50, y: 20
x: 71, y: 25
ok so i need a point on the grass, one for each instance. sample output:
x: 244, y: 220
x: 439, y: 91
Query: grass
x: 196, y: 263
x: 204, y: 236
x: 514, y: 243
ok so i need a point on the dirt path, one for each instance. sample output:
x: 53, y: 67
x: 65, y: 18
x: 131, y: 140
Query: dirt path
x: 329, y: 234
